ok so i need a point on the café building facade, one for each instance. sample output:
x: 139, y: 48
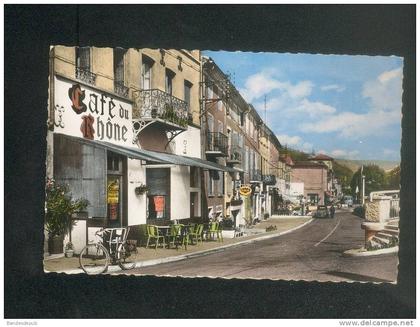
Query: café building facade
x: 124, y: 133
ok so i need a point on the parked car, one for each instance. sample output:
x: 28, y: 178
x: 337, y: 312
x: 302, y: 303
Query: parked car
x: 347, y: 200
x: 322, y: 212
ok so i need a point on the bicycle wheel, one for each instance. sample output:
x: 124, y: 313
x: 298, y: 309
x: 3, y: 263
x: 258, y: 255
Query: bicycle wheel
x: 125, y: 259
x: 94, y: 259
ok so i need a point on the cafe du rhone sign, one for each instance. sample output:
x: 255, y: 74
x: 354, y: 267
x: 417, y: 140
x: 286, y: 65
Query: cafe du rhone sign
x: 84, y: 112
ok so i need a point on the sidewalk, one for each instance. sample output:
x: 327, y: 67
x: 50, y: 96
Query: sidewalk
x: 150, y: 256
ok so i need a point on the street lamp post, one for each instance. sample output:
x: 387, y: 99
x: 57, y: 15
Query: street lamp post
x: 363, y: 189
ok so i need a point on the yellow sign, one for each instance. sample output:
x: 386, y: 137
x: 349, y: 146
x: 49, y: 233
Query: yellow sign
x: 245, y: 190
x: 113, y: 192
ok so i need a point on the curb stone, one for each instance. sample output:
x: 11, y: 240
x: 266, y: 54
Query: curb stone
x: 350, y: 253
x: 153, y: 262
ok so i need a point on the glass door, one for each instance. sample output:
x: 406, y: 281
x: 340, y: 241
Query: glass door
x: 115, y: 191
x: 114, y: 200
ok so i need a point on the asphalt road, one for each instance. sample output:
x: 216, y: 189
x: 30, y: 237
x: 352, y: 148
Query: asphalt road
x: 313, y: 252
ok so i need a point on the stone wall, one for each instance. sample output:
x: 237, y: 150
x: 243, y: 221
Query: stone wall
x: 378, y: 210
x: 372, y: 211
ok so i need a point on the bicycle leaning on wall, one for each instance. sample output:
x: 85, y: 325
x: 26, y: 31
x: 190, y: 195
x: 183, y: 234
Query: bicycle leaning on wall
x: 110, y: 247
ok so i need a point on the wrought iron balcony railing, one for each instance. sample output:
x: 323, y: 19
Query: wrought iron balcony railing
x: 121, y: 89
x: 85, y: 75
x: 217, y: 142
x: 156, y: 104
x: 269, y: 179
x: 255, y: 175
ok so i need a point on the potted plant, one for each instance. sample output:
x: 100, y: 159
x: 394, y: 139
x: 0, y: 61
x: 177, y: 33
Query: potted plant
x: 141, y: 189
x: 59, y: 207
x: 69, y: 250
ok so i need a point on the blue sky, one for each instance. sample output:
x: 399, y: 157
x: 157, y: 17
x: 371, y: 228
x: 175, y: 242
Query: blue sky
x: 344, y: 106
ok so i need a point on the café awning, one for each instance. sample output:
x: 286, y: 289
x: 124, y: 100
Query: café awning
x: 151, y: 157
x: 187, y: 161
x: 131, y: 153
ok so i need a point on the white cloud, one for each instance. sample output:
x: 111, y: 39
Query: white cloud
x: 344, y: 154
x: 384, y: 95
x: 314, y: 108
x: 289, y: 140
x: 295, y: 142
x: 333, y: 87
x: 262, y: 83
x: 389, y: 75
x: 353, y: 125
x: 300, y: 90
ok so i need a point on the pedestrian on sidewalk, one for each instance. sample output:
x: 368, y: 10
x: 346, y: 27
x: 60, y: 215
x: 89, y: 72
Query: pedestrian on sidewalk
x: 332, y: 211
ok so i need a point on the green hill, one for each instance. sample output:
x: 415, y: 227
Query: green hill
x: 355, y: 164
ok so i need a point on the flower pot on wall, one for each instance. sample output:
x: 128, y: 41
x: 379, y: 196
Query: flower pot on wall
x: 55, y: 244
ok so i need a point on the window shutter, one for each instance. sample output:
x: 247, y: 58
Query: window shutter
x: 82, y: 168
x: 119, y: 65
x: 84, y: 58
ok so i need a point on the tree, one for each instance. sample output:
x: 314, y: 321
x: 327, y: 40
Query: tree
x: 344, y: 175
x: 375, y: 179
x: 393, y: 178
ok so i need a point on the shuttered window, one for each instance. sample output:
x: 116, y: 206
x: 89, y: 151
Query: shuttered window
x: 83, y: 58
x: 119, y: 65
x: 82, y: 167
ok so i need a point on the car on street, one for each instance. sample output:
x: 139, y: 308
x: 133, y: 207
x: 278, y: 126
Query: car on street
x: 322, y: 212
x: 347, y: 201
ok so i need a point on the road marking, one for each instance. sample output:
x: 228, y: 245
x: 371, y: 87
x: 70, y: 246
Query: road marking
x: 329, y: 234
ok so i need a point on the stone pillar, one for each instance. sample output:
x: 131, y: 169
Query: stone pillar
x: 376, y: 214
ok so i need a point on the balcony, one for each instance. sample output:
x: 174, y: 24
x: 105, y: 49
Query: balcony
x: 121, y: 89
x: 235, y: 155
x: 158, y: 106
x: 217, y: 144
x: 255, y: 175
x: 85, y: 75
x: 269, y: 179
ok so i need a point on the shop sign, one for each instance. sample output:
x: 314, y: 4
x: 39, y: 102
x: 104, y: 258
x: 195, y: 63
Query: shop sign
x: 113, y: 192
x: 113, y: 199
x: 245, y: 190
x: 82, y: 111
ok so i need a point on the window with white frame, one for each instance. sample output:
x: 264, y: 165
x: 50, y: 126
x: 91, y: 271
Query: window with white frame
x: 187, y: 93
x: 169, y: 77
x: 146, y: 73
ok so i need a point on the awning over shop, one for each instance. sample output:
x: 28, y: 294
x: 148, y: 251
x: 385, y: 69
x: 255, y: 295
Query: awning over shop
x: 152, y: 157
x: 131, y: 153
x: 186, y: 161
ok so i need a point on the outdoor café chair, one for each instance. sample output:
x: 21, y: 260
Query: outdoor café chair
x: 197, y: 233
x: 184, y: 236
x: 174, y: 234
x: 153, y: 234
x: 214, y: 231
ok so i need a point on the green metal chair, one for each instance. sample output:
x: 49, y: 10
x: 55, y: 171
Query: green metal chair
x: 174, y: 234
x: 214, y: 231
x: 184, y: 236
x: 197, y: 233
x: 153, y: 234
x: 219, y: 232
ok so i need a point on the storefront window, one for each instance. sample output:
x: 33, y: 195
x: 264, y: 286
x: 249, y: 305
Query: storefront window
x: 158, y: 181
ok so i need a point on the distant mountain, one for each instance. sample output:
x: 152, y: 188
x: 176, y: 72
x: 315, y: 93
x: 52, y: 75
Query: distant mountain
x: 355, y: 164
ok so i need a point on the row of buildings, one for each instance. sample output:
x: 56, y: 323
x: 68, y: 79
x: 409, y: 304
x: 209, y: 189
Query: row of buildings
x: 153, y: 135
